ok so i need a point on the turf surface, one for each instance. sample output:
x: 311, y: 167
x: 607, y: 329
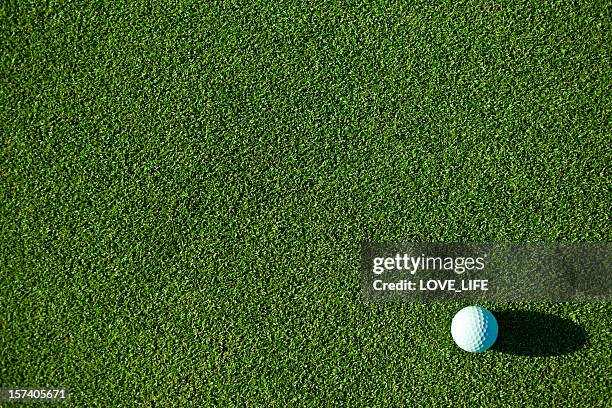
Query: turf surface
x: 185, y: 186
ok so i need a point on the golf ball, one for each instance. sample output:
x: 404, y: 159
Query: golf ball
x: 474, y: 329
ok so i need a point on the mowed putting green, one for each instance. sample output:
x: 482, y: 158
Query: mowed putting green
x: 185, y: 187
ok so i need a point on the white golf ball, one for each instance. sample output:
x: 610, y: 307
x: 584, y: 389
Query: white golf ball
x: 474, y: 329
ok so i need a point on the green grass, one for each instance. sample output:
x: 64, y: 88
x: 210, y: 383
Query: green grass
x: 185, y: 187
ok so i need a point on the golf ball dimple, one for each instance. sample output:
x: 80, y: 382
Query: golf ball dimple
x: 474, y: 329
